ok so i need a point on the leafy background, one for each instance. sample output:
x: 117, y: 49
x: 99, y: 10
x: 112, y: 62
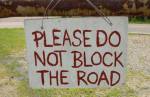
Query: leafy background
x: 74, y: 7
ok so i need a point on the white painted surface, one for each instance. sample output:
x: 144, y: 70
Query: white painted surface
x: 120, y: 24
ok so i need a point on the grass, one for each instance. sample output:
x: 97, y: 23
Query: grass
x: 12, y: 41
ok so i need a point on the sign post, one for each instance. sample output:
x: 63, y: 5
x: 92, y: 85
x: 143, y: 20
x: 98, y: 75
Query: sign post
x: 76, y: 52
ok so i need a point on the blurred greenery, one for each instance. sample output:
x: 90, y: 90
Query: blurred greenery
x: 139, y: 20
x: 11, y: 41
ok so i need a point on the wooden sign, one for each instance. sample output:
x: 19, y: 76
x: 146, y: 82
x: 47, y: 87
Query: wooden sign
x: 76, y: 52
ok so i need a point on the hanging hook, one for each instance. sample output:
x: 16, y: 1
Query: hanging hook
x: 100, y: 13
x: 45, y: 13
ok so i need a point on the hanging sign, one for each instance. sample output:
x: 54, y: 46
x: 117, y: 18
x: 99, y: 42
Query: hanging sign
x: 76, y: 52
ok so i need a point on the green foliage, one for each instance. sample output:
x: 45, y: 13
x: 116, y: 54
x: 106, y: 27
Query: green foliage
x: 11, y: 40
x: 139, y: 20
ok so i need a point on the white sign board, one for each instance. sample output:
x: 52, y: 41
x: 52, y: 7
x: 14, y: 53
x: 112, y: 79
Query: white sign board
x: 76, y: 52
